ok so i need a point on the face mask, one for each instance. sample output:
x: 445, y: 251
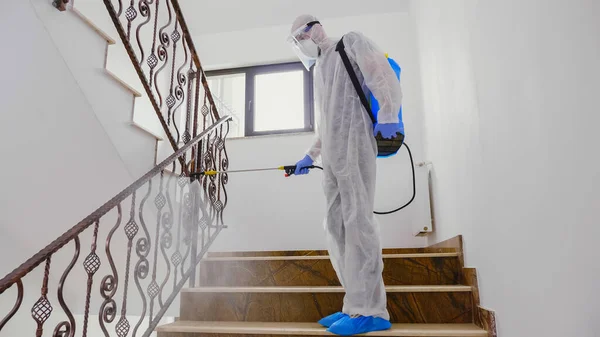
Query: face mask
x: 310, y: 48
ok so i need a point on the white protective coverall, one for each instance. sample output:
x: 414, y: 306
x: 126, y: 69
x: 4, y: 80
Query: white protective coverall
x: 348, y: 150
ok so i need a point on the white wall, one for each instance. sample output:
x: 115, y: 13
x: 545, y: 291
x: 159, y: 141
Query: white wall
x: 510, y: 98
x: 264, y: 206
x: 58, y: 164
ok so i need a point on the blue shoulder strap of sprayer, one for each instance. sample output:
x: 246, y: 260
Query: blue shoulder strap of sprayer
x: 361, y: 94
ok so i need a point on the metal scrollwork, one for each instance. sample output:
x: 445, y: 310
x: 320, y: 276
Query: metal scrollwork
x: 16, y: 307
x: 142, y: 249
x: 42, y: 309
x: 110, y: 283
x: 67, y: 328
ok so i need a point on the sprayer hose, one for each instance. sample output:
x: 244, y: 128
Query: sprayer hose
x: 414, y: 187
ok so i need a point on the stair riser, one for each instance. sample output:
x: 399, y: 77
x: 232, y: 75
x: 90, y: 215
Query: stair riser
x: 417, y: 307
x: 397, y: 271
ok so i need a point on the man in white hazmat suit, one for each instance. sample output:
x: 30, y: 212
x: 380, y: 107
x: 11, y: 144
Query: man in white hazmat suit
x: 345, y: 141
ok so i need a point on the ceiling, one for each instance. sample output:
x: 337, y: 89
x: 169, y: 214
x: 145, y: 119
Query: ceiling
x: 217, y: 16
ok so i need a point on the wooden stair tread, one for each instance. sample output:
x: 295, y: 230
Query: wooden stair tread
x: 290, y: 253
x: 314, y: 329
x: 123, y: 83
x: 389, y: 289
x: 95, y: 27
x: 323, y: 257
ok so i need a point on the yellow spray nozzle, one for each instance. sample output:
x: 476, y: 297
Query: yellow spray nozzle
x: 281, y: 168
x: 210, y: 173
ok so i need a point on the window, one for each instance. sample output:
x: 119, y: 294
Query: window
x: 265, y: 100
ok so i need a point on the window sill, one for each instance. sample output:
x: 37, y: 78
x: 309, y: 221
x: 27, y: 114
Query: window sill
x: 276, y: 135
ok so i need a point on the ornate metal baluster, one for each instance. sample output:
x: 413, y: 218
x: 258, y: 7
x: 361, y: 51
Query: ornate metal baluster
x: 153, y: 59
x: 211, y: 118
x: 207, y: 160
x: 91, y: 264
x: 219, y: 146
x: 130, y: 15
x: 160, y: 201
x: 186, y: 205
x: 67, y: 329
x: 166, y: 238
x: 131, y: 229
x: 163, y: 54
x: 182, y: 80
x: 215, y: 202
x: 212, y: 194
x: 110, y: 283
x: 205, y: 146
x: 176, y: 258
x: 195, y: 153
x: 205, y: 111
x: 16, y: 307
x: 196, y: 103
x: 225, y: 167
x: 142, y: 250
x: 144, y: 8
x: 175, y: 36
x: 204, y: 216
x: 177, y: 93
x: 42, y: 309
x: 187, y: 136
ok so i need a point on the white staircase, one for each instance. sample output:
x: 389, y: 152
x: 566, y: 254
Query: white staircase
x: 87, y: 50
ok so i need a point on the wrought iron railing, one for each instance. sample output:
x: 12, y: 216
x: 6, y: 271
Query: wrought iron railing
x: 158, y: 42
x: 140, y: 249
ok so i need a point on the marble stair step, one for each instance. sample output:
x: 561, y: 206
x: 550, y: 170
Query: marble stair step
x: 254, y: 329
x: 324, y: 252
x: 331, y: 289
x: 316, y: 270
x: 406, y: 304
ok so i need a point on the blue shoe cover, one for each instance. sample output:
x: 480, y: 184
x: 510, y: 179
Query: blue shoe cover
x: 329, y: 320
x: 348, y: 326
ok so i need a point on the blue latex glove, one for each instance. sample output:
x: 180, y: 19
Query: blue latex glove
x: 348, y: 326
x: 302, y: 165
x: 388, y: 131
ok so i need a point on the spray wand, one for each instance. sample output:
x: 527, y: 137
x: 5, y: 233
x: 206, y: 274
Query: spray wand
x: 289, y: 170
